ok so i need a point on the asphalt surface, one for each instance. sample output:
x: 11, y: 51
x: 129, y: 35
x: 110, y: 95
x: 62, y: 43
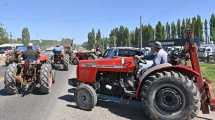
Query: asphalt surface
x: 2, y: 70
x: 59, y: 105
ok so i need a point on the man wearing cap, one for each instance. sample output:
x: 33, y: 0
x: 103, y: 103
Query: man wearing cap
x: 161, y: 55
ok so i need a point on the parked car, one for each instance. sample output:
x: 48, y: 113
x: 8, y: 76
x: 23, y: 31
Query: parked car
x: 122, y: 52
x: 206, y: 53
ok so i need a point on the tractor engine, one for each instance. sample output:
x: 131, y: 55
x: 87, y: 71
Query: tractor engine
x: 113, y: 83
x: 118, y: 76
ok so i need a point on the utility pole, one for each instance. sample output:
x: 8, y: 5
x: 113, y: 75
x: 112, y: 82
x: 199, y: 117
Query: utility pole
x: 141, y: 37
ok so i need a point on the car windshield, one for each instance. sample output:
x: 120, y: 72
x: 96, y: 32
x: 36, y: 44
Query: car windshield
x: 201, y: 49
x: 127, y: 52
x: 107, y: 53
x: 5, y: 48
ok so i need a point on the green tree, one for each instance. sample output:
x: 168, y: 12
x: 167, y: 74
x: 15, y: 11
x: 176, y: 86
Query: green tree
x: 179, y: 28
x: 194, y: 25
x: 3, y: 35
x: 149, y: 33
x: 85, y: 45
x: 206, y: 30
x: 25, y: 36
x: 122, y: 36
x: 67, y: 41
x: 199, y: 27
x: 159, y: 31
x: 212, y: 28
x: 126, y: 37
x: 168, y: 31
x: 113, y: 37
x: 188, y: 22
x: 173, y: 30
x: 183, y: 28
x: 91, y: 40
x: 132, y: 39
x: 98, y: 39
x: 137, y: 38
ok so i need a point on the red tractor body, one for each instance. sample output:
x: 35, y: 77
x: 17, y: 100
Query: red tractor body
x: 82, y: 55
x: 165, y: 90
x: 87, y: 69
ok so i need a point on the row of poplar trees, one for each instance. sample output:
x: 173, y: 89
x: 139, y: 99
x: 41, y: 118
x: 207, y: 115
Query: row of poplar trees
x: 5, y: 37
x: 121, y: 36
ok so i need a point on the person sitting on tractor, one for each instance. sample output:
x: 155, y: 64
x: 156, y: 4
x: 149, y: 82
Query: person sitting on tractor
x: 57, y: 50
x: 161, y: 55
x: 30, y: 54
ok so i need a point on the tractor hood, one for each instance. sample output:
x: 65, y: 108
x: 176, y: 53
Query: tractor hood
x: 111, y: 63
x: 87, y: 69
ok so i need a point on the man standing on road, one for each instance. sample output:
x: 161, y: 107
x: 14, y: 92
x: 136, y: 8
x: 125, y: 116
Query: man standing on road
x: 161, y: 55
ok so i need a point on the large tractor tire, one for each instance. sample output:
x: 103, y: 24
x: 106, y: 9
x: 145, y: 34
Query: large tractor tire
x: 86, y: 97
x: 49, y: 59
x: 10, y: 80
x: 75, y: 61
x: 66, y: 62
x: 46, y: 78
x: 169, y: 95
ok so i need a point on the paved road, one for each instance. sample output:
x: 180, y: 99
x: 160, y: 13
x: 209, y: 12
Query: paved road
x: 2, y: 70
x: 59, y: 105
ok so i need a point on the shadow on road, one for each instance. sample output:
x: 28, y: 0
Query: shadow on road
x: 72, y: 82
x: 38, y: 92
x: 3, y: 92
x: 203, y: 118
x: 132, y: 111
x: 67, y: 98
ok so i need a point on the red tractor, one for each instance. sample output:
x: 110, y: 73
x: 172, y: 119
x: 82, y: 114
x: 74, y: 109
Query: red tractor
x: 60, y: 61
x: 167, y: 92
x: 29, y: 75
x: 83, y: 55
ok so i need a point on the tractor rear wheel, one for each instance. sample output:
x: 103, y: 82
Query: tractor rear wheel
x: 46, y: 77
x: 10, y: 79
x: 169, y: 95
x: 86, y: 97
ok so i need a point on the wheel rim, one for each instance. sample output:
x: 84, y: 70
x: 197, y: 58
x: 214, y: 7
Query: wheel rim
x: 84, y: 98
x: 169, y: 100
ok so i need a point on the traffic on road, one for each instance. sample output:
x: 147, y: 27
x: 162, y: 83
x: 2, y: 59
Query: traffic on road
x: 53, y: 87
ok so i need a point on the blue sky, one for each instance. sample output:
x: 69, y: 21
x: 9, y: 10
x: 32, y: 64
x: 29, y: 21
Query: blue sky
x: 55, y: 19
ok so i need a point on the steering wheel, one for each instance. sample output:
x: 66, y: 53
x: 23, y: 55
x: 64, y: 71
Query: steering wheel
x: 140, y: 59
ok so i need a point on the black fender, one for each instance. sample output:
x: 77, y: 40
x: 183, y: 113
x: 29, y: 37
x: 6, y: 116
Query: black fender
x: 164, y: 67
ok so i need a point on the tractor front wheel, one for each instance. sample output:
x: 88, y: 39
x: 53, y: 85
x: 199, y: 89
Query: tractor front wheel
x: 86, y: 97
x: 169, y: 95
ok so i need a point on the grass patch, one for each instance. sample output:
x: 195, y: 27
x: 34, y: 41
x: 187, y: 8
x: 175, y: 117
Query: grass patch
x: 208, y: 70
